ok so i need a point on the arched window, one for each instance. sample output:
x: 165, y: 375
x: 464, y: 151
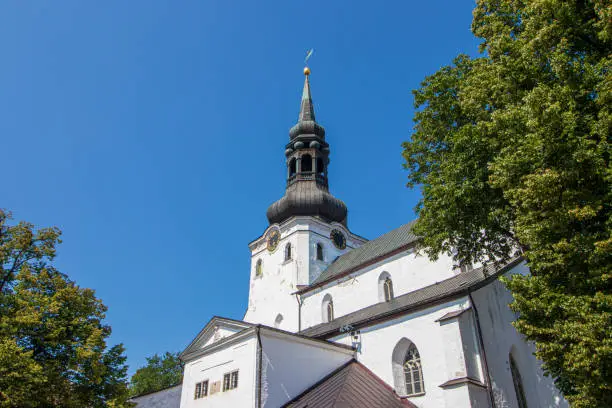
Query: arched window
x: 385, y: 287
x: 288, y: 251
x: 319, y: 252
x: 388, y: 289
x: 407, y: 369
x: 518, y: 384
x: 328, y: 308
x: 413, y: 372
x: 292, y: 167
x: 306, y: 163
x: 258, y: 269
x: 278, y: 320
x: 330, y: 311
x: 320, y: 167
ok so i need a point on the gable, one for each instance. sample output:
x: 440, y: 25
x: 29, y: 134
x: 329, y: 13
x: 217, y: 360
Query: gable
x: 215, y: 330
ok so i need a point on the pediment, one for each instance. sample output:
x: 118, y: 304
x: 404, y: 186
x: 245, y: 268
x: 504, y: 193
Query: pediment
x: 215, y: 330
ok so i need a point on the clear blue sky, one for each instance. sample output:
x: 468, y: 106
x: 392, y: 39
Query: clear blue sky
x: 152, y: 133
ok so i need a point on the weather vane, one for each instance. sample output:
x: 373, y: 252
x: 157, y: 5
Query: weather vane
x: 308, y: 55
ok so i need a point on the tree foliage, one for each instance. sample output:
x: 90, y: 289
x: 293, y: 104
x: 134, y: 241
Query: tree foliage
x: 53, y: 348
x: 159, y: 373
x: 511, y: 150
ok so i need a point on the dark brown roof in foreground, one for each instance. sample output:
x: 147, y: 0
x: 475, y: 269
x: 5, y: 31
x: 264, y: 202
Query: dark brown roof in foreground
x: 352, y: 385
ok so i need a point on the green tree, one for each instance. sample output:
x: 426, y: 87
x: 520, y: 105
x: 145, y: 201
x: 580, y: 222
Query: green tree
x: 511, y: 151
x: 159, y: 373
x: 53, y: 348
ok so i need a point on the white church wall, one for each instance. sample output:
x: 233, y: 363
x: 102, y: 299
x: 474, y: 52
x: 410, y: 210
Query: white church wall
x: 237, y: 356
x: 291, y: 366
x: 500, y: 338
x: 431, y: 339
x: 407, y: 270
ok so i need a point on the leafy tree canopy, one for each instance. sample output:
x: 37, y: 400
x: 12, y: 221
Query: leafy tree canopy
x: 53, y: 348
x: 159, y: 373
x: 511, y: 150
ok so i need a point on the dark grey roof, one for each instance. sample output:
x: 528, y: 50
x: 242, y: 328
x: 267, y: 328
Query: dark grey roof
x: 452, y: 287
x: 352, y: 385
x: 166, y: 398
x: 369, y: 252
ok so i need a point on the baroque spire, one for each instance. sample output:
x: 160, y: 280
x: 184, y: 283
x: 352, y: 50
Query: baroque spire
x: 307, y: 153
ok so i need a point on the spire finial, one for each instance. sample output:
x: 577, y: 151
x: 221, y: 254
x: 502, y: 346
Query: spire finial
x: 306, y: 71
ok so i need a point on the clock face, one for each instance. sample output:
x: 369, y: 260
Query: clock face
x: 273, y: 239
x: 338, y: 239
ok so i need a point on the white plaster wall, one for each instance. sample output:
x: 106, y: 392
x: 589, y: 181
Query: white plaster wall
x: 499, y: 338
x: 239, y: 356
x: 272, y: 293
x: 290, y: 367
x: 408, y: 272
x: 431, y: 339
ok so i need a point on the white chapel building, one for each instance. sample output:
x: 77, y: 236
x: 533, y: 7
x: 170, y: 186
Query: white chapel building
x: 335, y: 320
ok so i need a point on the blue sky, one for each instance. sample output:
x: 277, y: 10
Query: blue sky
x: 152, y: 133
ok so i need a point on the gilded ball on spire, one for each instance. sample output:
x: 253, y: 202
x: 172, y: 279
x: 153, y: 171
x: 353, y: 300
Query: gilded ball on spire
x: 306, y: 71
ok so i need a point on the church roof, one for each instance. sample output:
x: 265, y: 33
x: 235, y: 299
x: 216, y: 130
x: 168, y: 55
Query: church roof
x: 167, y: 398
x: 372, y: 251
x: 351, y: 385
x: 455, y: 286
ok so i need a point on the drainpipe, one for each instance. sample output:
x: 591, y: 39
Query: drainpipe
x: 259, y: 368
x: 482, y: 347
x: 299, y: 302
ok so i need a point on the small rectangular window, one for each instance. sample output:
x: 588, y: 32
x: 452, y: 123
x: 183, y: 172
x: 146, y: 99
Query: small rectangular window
x: 198, y: 390
x: 234, y: 382
x: 226, y: 382
x: 204, y: 389
x: 230, y: 381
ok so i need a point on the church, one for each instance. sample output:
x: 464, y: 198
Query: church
x: 336, y: 320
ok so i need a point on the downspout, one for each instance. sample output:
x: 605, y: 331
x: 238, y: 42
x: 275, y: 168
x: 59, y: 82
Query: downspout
x: 482, y: 347
x: 299, y: 302
x: 259, y: 369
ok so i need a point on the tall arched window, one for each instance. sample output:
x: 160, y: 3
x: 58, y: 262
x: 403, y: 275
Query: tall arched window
x: 413, y: 372
x: 306, y: 163
x: 518, y: 384
x: 388, y: 289
x: 292, y: 167
x: 288, y: 251
x: 328, y: 308
x: 258, y: 269
x: 319, y: 252
x: 407, y: 369
x: 385, y: 287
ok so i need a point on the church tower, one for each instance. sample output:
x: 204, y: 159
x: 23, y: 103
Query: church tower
x: 308, y: 227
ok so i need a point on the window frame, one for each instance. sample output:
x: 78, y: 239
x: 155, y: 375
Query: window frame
x: 229, y: 378
x: 388, y: 289
x: 413, y: 365
x: 258, y: 269
x: 329, y: 309
x: 201, y: 389
x: 288, y: 252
